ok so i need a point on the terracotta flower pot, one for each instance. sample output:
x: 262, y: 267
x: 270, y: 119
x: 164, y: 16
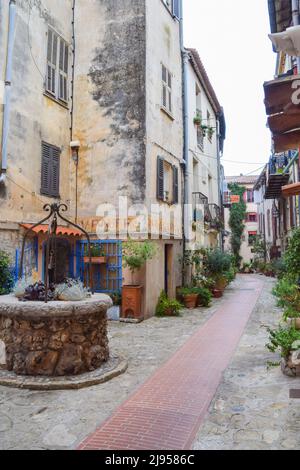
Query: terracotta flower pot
x: 217, y: 293
x: 95, y: 259
x: 132, y: 302
x: 190, y: 301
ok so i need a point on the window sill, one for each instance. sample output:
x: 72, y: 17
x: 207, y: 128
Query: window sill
x: 165, y: 111
x: 57, y: 101
x: 49, y: 196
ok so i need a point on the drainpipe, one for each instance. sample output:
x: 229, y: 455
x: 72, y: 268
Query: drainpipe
x: 187, y: 209
x: 7, y: 90
x: 296, y: 22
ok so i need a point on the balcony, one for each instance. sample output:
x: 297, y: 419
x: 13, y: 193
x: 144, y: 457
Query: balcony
x: 283, y: 112
x: 276, y: 178
x: 209, y: 214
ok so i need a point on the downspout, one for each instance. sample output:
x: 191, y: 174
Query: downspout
x: 296, y: 22
x: 187, y: 205
x: 219, y: 176
x: 7, y: 89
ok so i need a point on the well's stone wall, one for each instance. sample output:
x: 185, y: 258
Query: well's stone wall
x: 54, y: 339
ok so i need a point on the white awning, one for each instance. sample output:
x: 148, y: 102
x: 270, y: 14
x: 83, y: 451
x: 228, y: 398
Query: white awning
x: 288, y: 41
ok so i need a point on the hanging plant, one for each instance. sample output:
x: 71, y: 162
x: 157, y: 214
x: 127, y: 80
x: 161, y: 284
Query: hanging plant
x: 211, y: 132
x: 204, y: 129
x: 197, y: 120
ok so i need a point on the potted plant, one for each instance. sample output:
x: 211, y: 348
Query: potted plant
x: 197, y: 120
x: 135, y: 256
x: 98, y: 255
x: 204, y: 128
x: 167, y: 307
x: 204, y: 296
x: 210, y: 132
x: 189, y: 296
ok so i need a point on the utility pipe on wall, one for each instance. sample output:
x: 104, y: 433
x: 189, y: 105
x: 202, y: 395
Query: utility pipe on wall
x: 7, y: 89
x: 296, y: 22
x: 187, y: 209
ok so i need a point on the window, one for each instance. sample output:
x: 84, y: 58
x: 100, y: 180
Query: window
x: 252, y: 236
x: 167, y: 182
x: 200, y: 134
x: 252, y: 217
x: 57, y: 66
x: 250, y: 195
x: 208, y: 123
x: 50, y: 170
x: 166, y: 90
x: 173, y: 6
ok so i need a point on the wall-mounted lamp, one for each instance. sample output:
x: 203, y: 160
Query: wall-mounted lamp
x: 75, y: 146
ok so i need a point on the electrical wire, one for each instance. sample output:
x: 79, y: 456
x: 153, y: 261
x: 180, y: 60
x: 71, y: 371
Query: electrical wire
x: 30, y: 7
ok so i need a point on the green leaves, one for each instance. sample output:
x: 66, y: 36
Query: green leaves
x: 284, y: 339
x: 136, y: 254
x: 237, y: 220
x: 292, y: 255
x: 6, y: 278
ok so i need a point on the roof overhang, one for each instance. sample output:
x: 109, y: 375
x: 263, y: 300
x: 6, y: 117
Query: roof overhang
x: 61, y: 230
x: 291, y: 190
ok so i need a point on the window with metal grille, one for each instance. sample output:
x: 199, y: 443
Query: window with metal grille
x: 166, y: 90
x: 57, y: 66
x: 50, y: 170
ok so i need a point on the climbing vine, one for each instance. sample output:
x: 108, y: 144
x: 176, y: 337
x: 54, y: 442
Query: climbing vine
x: 237, y: 218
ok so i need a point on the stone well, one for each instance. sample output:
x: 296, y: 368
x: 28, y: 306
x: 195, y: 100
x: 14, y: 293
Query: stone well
x: 54, y: 339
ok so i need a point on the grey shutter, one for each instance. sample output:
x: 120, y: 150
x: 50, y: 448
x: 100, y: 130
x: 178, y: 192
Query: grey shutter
x: 55, y: 172
x: 50, y: 170
x: 176, y: 9
x: 46, y: 169
x: 175, y: 185
x: 63, y: 70
x: 160, y: 178
x: 51, y: 61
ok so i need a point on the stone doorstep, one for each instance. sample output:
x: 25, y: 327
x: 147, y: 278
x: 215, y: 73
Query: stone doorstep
x: 115, y: 365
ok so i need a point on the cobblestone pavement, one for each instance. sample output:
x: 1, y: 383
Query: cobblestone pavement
x: 252, y: 409
x: 62, y: 419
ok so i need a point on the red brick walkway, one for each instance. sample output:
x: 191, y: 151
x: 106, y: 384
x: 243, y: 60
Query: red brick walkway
x: 166, y: 412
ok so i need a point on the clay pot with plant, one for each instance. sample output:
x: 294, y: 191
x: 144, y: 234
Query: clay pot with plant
x: 135, y: 256
x: 98, y: 255
x: 189, y: 297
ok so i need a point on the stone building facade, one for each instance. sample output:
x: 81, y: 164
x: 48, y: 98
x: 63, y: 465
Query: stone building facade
x: 108, y: 77
x: 251, y: 231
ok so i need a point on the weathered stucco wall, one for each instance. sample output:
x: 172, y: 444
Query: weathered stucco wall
x: 34, y: 117
x: 164, y: 132
x: 110, y: 102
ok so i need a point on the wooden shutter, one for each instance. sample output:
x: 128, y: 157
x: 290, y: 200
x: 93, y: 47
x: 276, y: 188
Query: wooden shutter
x: 160, y: 178
x: 175, y: 185
x: 63, y: 70
x: 50, y: 170
x: 176, y: 8
x: 46, y: 169
x: 51, y: 61
x: 55, y: 172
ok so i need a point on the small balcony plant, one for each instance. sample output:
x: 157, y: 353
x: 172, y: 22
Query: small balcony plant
x: 98, y: 254
x: 198, y: 120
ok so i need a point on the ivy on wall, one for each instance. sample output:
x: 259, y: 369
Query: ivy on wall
x: 237, y: 219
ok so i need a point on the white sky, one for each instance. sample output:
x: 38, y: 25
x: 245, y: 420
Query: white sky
x: 232, y: 39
